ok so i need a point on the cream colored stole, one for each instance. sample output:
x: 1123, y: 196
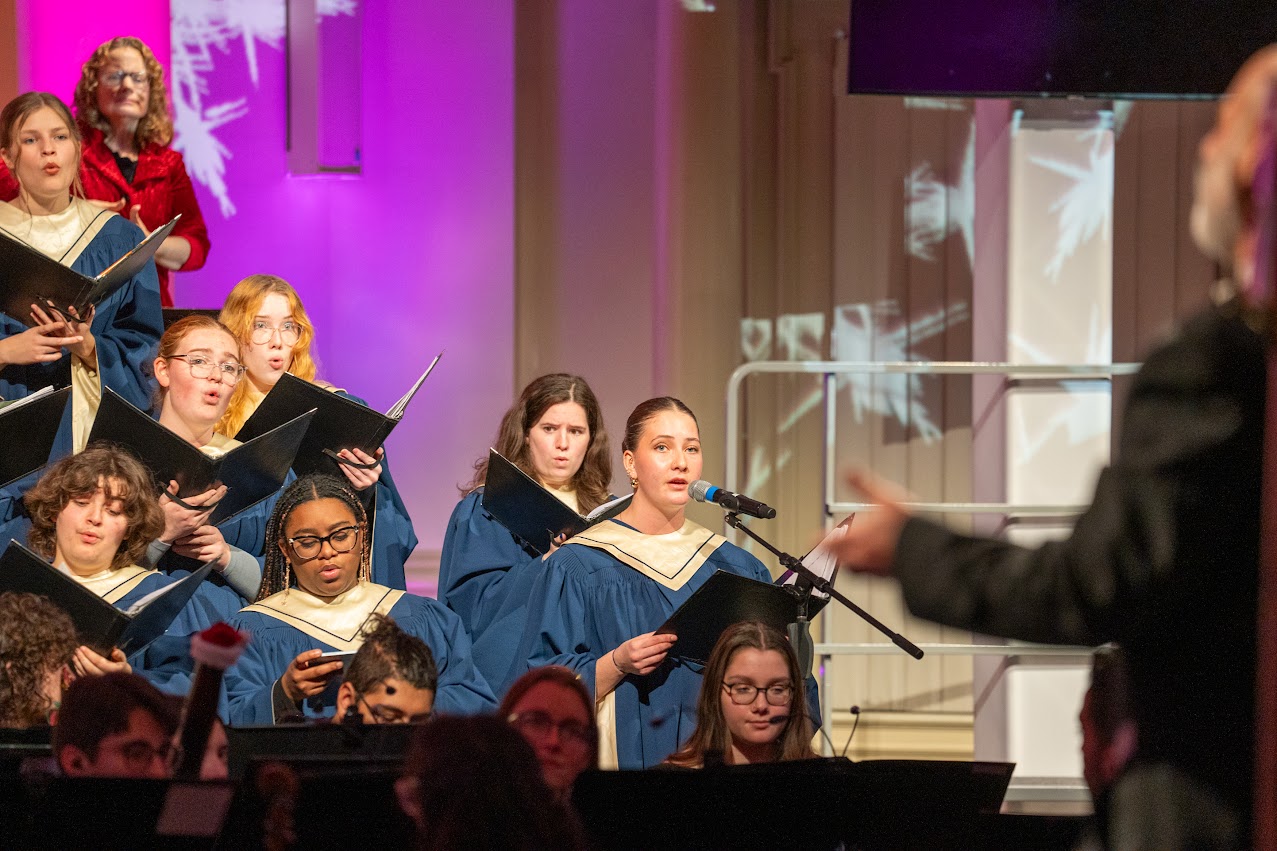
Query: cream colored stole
x: 336, y: 622
x: 86, y: 393
x: 218, y: 445
x: 112, y: 585
x: 671, y: 560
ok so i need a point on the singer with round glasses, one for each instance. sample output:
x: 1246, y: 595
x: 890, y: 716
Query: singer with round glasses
x: 751, y: 707
x: 128, y: 164
x: 550, y: 707
x: 316, y: 597
x: 601, y: 596
x: 275, y: 336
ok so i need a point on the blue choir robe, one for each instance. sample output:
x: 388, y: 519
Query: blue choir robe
x: 293, y: 621
x: 607, y: 585
x: 126, y: 326
x: 486, y: 576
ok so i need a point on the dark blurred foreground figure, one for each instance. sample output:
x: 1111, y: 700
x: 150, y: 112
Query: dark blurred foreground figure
x: 115, y: 725
x: 550, y: 707
x: 474, y: 783
x: 391, y: 680
x: 37, y: 644
x: 1165, y: 561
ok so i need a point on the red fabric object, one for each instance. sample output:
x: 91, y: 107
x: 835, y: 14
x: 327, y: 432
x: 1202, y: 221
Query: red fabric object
x: 222, y: 635
x: 161, y: 186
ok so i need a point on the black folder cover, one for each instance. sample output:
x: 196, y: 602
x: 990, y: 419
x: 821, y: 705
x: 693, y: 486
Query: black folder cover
x: 99, y: 624
x: 530, y: 511
x: 28, y: 428
x: 28, y: 276
x: 251, y: 471
x: 725, y: 599
x: 340, y: 423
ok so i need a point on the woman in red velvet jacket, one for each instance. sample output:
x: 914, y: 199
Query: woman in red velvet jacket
x: 122, y: 108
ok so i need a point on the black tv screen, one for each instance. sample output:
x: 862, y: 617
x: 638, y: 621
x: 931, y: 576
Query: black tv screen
x: 1087, y: 48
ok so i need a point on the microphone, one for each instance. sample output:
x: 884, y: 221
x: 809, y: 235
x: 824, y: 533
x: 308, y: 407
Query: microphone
x: 702, y: 491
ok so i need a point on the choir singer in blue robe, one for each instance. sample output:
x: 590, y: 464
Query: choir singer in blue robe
x: 602, y: 594
x: 555, y: 434
x: 316, y: 597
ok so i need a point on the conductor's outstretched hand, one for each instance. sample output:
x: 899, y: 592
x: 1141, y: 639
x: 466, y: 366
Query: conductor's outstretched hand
x: 869, y: 543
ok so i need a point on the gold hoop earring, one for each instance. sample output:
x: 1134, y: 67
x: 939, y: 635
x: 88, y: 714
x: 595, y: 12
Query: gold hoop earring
x: 633, y: 483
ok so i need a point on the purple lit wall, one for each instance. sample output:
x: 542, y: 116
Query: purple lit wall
x: 414, y: 255
x: 55, y: 38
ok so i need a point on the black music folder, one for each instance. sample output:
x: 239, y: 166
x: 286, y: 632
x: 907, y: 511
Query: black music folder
x: 340, y: 424
x: 531, y: 512
x: 28, y: 276
x: 99, y: 624
x: 28, y: 428
x: 251, y: 471
x: 725, y: 599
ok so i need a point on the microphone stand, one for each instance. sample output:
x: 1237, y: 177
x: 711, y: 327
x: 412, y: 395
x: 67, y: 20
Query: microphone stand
x: 819, y: 583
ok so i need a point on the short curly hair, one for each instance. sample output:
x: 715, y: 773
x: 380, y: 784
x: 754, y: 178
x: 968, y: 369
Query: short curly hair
x: 77, y: 475
x: 154, y: 127
x: 36, y: 638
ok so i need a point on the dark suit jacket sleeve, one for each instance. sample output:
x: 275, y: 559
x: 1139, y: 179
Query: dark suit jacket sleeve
x: 1171, y: 518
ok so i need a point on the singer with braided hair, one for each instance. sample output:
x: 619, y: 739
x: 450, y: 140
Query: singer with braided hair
x: 316, y: 597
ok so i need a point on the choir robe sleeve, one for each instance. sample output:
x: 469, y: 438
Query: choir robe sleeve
x: 128, y: 323
x: 394, y: 538
x: 486, y: 577
x: 462, y: 689
x: 272, y: 647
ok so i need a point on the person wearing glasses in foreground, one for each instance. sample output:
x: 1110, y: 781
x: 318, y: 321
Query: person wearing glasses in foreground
x: 550, y: 707
x: 116, y: 725
x: 316, y: 597
x: 391, y: 680
x: 747, y: 712
x: 128, y: 163
x: 268, y: 319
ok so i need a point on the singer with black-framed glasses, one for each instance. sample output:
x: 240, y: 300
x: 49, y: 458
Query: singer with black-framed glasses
x: 600, y: 597
x: 751, y: 707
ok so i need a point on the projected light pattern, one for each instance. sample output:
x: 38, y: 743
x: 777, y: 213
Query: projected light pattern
x: 860, y: 332
x: 935, y: 209
x: 203, y: 32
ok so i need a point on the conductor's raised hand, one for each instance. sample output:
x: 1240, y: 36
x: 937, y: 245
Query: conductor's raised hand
x: 304, y: 678
x: 869, y: 543
x: 642, y: 654
x: 42, y: 343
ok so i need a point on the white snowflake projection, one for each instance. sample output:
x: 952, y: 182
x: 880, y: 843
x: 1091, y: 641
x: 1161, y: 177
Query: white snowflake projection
x: 208, y: 32
x: 1085, y: 209
x: 935, y: 209
x: 864, y: 332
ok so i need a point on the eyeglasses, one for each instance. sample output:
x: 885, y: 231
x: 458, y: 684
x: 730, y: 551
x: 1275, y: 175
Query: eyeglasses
x: 289, y: 333
x: 382, y: 714
x: 745, y: 693
x: 138, y: 755
x: 115, y: 78
x: 229, y: 372
x: 307, y: 547
x: 539, y: 724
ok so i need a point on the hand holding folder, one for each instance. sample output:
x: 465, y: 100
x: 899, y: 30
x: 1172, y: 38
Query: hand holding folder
x: 251, y: 471
x: 28, y: 276
x: 531, y: 512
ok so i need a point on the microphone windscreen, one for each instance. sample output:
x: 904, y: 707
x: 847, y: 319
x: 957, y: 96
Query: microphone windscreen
x: 698, y: 489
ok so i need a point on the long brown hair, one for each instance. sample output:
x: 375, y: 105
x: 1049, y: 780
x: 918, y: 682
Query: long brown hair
x: 154, y: 127
x: 238, y: 314
x: 114, y: 469
x: 592, y: 479
x: 36, y: 637
x: 711, y: 733
x: 15, y: 114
